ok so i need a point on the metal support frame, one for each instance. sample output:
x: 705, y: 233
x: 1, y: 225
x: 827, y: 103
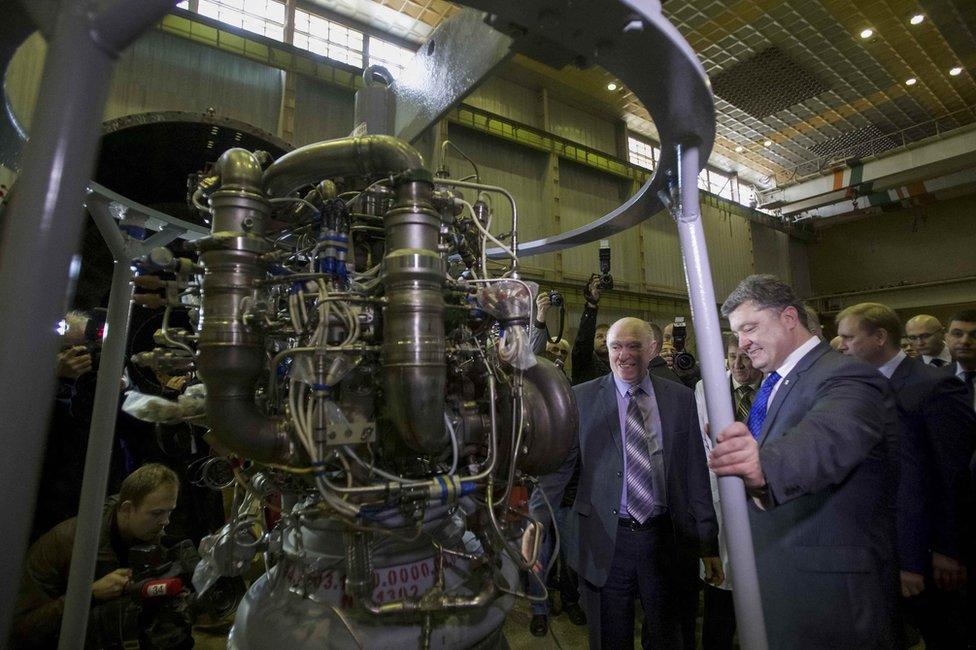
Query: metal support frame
x: 124, y: 250
x: 41, y: 231
x: 698, y: 275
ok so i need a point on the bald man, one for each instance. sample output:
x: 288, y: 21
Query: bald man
x: 927, y: 336
x: 644, y: 506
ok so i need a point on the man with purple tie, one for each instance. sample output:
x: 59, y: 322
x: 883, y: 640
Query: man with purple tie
x: 643, y: 510
x: 819, y: 459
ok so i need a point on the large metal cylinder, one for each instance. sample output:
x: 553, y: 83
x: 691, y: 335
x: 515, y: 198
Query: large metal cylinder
x: 414, y: 364
x: 230, y: 355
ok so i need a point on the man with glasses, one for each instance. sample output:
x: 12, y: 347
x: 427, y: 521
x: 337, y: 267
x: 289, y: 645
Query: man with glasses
x: 927, y: 336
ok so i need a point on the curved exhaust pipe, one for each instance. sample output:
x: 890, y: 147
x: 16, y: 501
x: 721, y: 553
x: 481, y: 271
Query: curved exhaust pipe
x: 231, y: 356
x: 360, y: 156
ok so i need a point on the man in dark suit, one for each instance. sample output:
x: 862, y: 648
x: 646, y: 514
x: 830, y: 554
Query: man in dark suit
x: 818, y: 458
x: 938, y: 436
x: 658, y: 365
x: 961, y: 341
x: 643, y: 508
x: 590, y: 347
x: 927, y: 336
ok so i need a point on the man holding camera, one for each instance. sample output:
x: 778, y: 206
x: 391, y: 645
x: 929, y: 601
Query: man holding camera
x: 67, y: 440
x: 138, y: 514
x: 678, y: 359
x: 590, y: 356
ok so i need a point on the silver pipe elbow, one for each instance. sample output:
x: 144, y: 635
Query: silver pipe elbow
x: 362, y: 156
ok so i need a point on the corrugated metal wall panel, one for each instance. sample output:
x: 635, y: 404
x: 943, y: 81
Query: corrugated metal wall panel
x: 770, y: 249
x: 927, y: 244
x: 662, y: 253
x: 24, y: 78
x: 322, y: 111
x: 518, y: 170
x: 508, y: 99
x: 584, y: 128
x: 729, y: 249
x: 161, y: 72
x: 587, y: 195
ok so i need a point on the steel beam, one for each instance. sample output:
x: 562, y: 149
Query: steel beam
x: 41, y: 231
x: 932, y: 158
x: 635, y: 42
x: 453, y: 61
x: 711, y: 354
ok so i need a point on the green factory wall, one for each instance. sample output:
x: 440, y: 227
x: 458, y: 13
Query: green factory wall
x: 165, y: 71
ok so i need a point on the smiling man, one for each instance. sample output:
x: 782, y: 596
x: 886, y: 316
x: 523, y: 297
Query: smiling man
x: 643, y: 508
x: 818, y: 457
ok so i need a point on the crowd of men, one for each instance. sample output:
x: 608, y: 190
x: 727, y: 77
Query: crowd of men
x: 857, y: 458
x: 859, y: 467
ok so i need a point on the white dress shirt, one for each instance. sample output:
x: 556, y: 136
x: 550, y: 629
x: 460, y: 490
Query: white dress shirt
x: 790, y: 363
x: 888, y: 369
x: 944, y: 355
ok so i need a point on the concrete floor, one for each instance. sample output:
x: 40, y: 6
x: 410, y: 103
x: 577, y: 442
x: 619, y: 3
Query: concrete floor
x: 563, y: 635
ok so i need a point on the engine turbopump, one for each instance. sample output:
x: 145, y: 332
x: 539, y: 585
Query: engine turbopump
x: 394, y: 405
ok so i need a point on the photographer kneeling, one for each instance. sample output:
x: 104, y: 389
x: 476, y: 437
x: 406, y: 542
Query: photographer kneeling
x: 137, y: 515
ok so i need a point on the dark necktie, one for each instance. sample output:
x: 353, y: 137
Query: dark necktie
x: 743, y: 402
x: 757, y: 414
x: 640, y: 501
x: 968, y: 376
x: 937, y: 362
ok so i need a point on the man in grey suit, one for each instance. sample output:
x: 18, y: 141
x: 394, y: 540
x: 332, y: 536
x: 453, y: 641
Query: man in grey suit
x: 643, y: 509
x: 818, y: 458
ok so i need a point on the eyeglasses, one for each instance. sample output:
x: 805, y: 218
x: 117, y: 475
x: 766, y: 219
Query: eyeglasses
x: 924, y: 336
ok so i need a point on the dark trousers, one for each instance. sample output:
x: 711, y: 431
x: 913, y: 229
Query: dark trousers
x: 718, y: 625
x: 939, y: 616
x: 644, y: 567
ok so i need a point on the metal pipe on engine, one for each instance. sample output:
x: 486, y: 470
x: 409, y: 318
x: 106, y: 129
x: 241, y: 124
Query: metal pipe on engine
x: 413, y: 275
x: 231, y: 355
x: 362, y: 156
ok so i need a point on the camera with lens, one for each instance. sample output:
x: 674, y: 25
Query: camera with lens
x: 682, y: 360
x: 159, y: 607
x: 555, y: 299
x: 94, y: 330
x: 606, y: 280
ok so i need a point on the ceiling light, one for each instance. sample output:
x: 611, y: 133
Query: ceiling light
x: 768, y: 143
x: 917, y: 19
x: 611, y: 86
x: 739, y: 149
x: 955, y: 72
x: 867, y: 32
x: 911, y: 81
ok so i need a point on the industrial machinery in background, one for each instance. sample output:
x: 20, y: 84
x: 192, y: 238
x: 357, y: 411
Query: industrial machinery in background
x: 369, y: 383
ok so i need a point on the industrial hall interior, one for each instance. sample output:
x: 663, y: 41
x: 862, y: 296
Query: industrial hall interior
x: 487, y: 324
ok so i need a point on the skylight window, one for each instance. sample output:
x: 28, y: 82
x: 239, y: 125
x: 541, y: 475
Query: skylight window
x: 329, y: 39
x: 264, y: 17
